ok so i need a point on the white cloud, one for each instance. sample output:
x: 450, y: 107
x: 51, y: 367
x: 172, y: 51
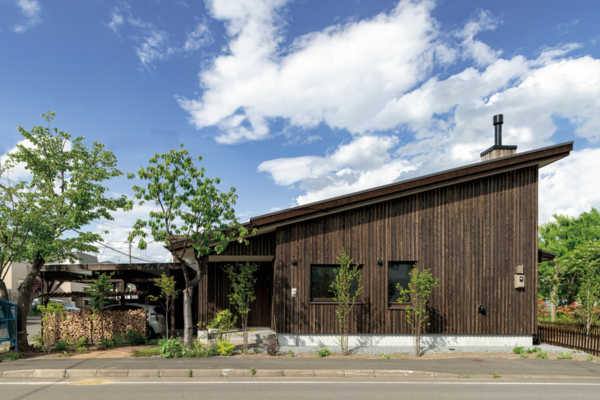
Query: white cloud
x: 31, y: 10
x: 570, y: 186
x: 342, y: 75
x: 151, y: 43
x: 365, y: 162
x: 18, y: 172
x: 118, y: 231
x: 197, y: 38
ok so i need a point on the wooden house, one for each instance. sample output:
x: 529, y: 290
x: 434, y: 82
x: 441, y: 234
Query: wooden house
x: 474, y: 227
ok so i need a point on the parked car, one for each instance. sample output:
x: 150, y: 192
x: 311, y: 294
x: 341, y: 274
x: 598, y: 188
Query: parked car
x: 68, y: 305
x: 155, y: 319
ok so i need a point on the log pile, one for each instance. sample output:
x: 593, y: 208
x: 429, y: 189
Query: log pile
x: 73, y: 325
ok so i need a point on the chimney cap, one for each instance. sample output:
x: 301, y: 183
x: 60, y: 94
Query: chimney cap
x: 498, y: 119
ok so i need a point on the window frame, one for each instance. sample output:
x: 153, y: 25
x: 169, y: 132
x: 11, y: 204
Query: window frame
x: 389, y: 304
x: 328, y: 300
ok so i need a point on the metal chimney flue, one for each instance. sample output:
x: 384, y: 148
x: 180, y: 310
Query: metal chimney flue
x: 498, y: 120
x: 498, y: 149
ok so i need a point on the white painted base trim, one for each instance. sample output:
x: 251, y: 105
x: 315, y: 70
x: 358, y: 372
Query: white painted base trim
x: 404, y: 343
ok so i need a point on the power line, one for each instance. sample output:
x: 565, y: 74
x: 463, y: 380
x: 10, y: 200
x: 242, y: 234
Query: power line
x: 123, y: 253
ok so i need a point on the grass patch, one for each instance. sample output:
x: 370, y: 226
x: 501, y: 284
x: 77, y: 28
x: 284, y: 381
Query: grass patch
x: 590, y: 358
x: 12, y: 356
x: 154, y: 351
x: 541, y: 355
x: 564, y: 356
x: 518, y: 350
x: 385, y: 356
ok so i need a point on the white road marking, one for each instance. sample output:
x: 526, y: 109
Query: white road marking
x: 258, y: 382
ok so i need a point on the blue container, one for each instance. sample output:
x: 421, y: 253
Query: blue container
x: 8, y: 323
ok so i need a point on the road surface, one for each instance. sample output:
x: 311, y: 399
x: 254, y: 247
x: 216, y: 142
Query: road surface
x: 306, y: 389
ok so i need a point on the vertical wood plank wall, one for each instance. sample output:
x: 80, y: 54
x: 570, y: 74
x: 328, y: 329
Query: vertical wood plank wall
x: 471, y: 235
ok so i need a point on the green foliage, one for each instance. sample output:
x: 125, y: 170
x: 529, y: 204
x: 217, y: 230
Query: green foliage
x: 80, y: 349
x: 52, y: 308
x: 291, y: 353
x: 564, y: 356
x: 346, y: 288
x: 241, y: 297
x: 82, y: 341
x: 542, y: 355
x: 324, y: 352
x: 590, y: 357
x: 419, y: 290
x: 385, y: 356
x: 524, y: 355
x: 586, y: 258
x: 496, y: 375
x: 134, y: 338
x: 62, y: 345
x: 12, y: 356
x: 252, y: 371
x: 168, y: 292
x: 154, y: 351
x: 107, y: 343
x: 191, y: 208
x: 99, y: 290
x: 559, y: 280
x: 518, y: 349
x: 225, y: 348
x: 223, y: 322
x: 171, y: 348
x: 534, y: 350
x: 49, y: 215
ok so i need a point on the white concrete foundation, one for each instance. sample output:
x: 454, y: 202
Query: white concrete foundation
x: 405, y: 343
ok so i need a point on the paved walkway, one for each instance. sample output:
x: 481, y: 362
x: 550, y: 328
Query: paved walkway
x: 459, y: 366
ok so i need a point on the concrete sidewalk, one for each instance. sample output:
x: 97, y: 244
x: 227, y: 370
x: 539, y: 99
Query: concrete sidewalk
x: 337, y: 367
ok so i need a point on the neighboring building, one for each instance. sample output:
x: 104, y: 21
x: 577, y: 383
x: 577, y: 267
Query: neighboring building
x: 475, y: 227
x: 18, y: 271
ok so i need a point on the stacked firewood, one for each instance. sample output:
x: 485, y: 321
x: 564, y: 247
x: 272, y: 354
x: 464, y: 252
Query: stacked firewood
x: 73, y: 325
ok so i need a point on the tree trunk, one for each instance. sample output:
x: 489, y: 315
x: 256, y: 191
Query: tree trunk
x: 172, y: 316
x: 24, y: 302
x: 3, y: 291
x: 245, y: 329
x: 188, y: 327
x: 554, y: 295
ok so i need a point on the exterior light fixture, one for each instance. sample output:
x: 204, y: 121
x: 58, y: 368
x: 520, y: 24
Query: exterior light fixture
x: 380, y: 262
x: 294, y: 261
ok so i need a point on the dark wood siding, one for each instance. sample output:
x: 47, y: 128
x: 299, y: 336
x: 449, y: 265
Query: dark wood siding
x: 471, y: 235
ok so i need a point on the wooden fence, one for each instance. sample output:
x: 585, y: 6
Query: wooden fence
x: 570, y: 335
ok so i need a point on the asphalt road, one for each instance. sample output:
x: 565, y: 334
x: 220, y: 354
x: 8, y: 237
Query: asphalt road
x: 280, y: 390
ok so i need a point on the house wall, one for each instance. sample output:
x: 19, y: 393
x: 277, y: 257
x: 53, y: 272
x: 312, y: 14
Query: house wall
x: 471, y: 235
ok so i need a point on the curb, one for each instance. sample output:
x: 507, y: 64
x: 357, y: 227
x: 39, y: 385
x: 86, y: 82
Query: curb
x: 250, y: 373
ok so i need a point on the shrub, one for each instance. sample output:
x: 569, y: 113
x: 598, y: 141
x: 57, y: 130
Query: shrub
x: 524, y: 355
x: 134, y: 338
x: 171, y: 348
x: 107, y: 343
x: 518, y: 349
x: 252, y: 371
x: 62, y: 345
x: 223, y: 322
x: 324, y: 352
x: 225, y: 348
x: 564, y: 356
x: 590, y: 358
x: 385, y: 356
x: 541, y: 354
x: 81, y: 341
x: 81, y: 349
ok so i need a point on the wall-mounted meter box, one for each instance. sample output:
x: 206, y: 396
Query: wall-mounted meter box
x: 294, y: 291
x: 519, y: 281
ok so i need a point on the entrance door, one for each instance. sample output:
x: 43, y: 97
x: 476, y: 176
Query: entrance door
x: 260, y: 315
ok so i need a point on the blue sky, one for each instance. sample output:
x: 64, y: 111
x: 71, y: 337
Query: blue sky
x: 296, y: 101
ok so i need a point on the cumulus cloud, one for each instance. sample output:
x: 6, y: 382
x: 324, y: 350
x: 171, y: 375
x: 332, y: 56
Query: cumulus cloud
x: 570, y: 186
x: 31, y: 10
x: 17, y: 172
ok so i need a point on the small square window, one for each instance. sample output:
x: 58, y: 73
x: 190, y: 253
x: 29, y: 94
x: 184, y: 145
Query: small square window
x: 398, y: 273
x: 321, y: 277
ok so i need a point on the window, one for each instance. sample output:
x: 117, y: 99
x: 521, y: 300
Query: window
x: 321, y: 276
x: 398, y: 273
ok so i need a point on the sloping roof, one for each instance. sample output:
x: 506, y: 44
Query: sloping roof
x: 539, y: 157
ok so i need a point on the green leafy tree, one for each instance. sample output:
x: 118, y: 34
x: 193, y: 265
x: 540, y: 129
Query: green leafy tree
x: 100, y: 291
x: 586, y: 258
x: 559, y: 281
x: 49, y: 211
x: 346, y: 288
x: 241, y: 297
x: 417, y: 294
x: 192, y: 212
x: 168, y: 292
